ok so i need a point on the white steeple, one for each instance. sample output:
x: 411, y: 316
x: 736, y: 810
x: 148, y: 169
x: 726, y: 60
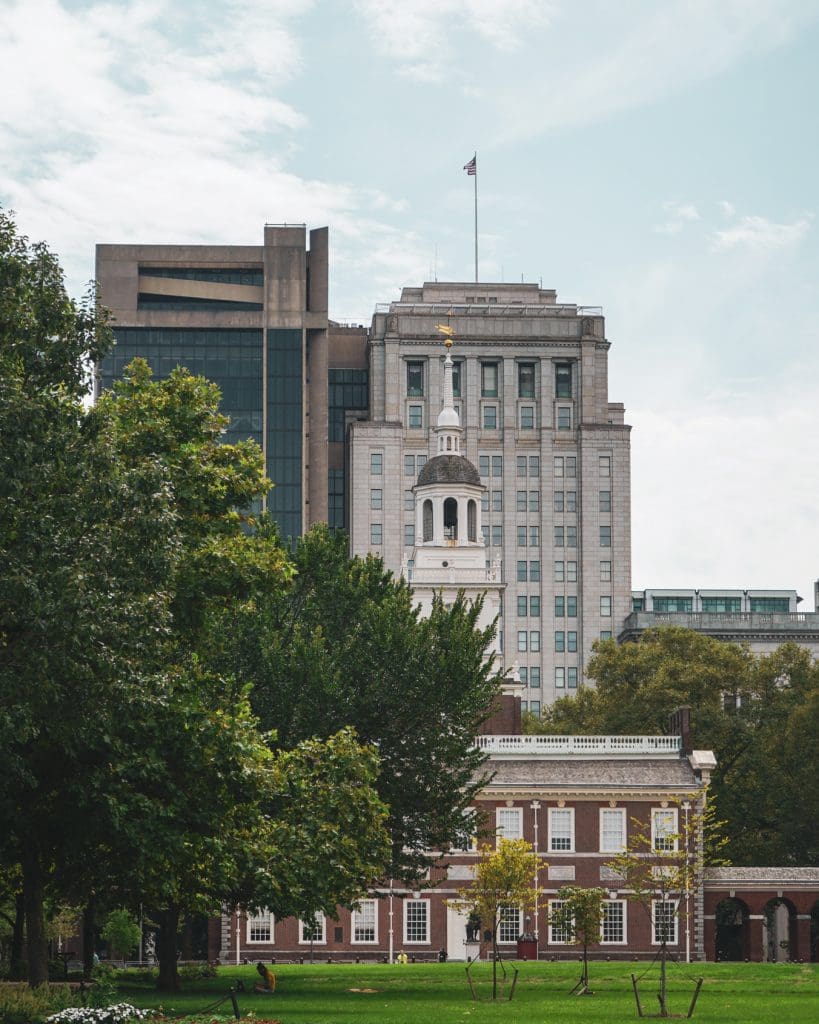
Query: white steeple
x: 448, y: 429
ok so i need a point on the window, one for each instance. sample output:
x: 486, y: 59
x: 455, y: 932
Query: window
x: 561, y: 829
x: 457, y: 377
x: 526, y: 380
x: 560, y: 678
x: 534, y: 640
x: 375, y: 497
x: 605, y: 634
x: 563, y: 380
x: 673, y: 604
x: 313, y: 931
x: 560, y: 640
x: 527, y: 417
x: 559, y: 931
x: 485, y: 501
x: 612, y: 829
x: 365, y: 922
x: 489, y: 380
x: 560, y: 607
x: 605, y: 572
x: 497, y: 501
x: 483, y: 465
x: 614, y: 922
x: 522, y: 577
x: 605, y: 607
x: 534, y: 677
x: 523, y: 638
x: 664, y: 921
x: 521, y: 536
x: 571, y: 501
x: 416, y: 417
x: 415, y: 380
x: 559, y: 465
x: 637, y: 604
x: 770, y: 605
x: 534, y: 707
x: 534, y: 536
x: 534, y: 501
x: 509, y: 822
x: 509, y: 924
x: 560, y: 572
x: 521, y: 464
x: 571, y: 466
x: 376, y: 463
x: 497, y: 536
x: 534, y: 607
x: 534, y: 465
x: 559, y: 536
x: 664, y: 829
x: 605, y: 465
x: 522, y: 607
x: 497, y: 465
x: 605, y: 501
x: 558, y: 501
x: 409, y: 535
x: 427, y: 520
x: 534, y: 572
x: 490, y: 417
x: 571, y: 607
x: 521, y: 501
x: 564, y: 417
x: 260, y: 927
x: 721, y: 604
x: 523, y: 675
x: 375, y: 533
x: 409, y: 501
x: 571, y: 572
x: 605, y: 536
x: 409, y: 465
x: 571, y: 536
x: 571, y: 641
x: 571, y: 678
x: 416, y: 921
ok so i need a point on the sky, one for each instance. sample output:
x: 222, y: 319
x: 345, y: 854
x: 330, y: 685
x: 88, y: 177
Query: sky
x: 659, y: 158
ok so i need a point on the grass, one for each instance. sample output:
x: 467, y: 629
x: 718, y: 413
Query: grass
x: 438, y: 994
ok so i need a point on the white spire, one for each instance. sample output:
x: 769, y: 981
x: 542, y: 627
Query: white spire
x: 448, y: 416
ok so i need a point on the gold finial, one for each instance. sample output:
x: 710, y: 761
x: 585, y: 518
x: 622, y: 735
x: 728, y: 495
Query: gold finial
x: 447, y: 332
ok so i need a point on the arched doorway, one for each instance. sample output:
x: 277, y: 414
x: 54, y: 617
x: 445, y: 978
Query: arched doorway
x: 472, y: 521
x: 427, y: 521
x: 779, y: 931
x: 451, y: 519
x: 732, y: 930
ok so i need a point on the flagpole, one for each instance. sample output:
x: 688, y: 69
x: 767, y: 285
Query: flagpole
x: 475, y: 158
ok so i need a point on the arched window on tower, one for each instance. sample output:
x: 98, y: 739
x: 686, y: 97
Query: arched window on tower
x: 427, y: 520
x: 472, y: 521
x: 451, y: 519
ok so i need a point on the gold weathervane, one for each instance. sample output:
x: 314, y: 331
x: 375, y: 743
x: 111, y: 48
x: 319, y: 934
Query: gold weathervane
x: 447, y: 332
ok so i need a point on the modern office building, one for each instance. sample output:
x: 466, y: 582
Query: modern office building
x: 531, y: 392
x: 762, y: 619
x: 252, y: 318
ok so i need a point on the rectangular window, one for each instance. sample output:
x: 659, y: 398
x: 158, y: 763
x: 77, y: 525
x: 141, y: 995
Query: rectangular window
x: 497, y: 536
x: 535, y: 707
x: 559, y: 465
x: 409, y: 535
x: 605, y: 465
x: 560, y: 640
x: 534, y: 640
x: 365, y: 922
x: 559, y: 931
x: 260, y: 927
x: 564, y: 417
x: 571, y: 641
x: 526, y: 380
x: 522, y: 577
x: 420, y: 462
x: 637, y: 604
x: 534, y: 677
x: 558, y: 501
x: 522, y: 607
x: 534, y: 607
x: 497, y: 465
x: 523, y: 675
x: 571, y: 678
x: 534, y: 501
x: 409, y: 501
x: 375, y: 533
x: 457, y: 378
x: 571, y: 466
x: 605, y: 536
x: 523, y: 640
x: 560, y: 607
x: 605, y: 501
x: 571, y: 536
x: 560, y: 678
x: 534, y: 465
x: 415, y: 380
x: 770, y: 605
x: 521, y: 464
x: 521, y: 536
x: 561, y: 829
x: 605, y: 634
x: 664, y: 829
x: 409, y: 465
x: 534, y: 536
x: 527, y: 417
x: 376, y: 463
x: 605, y: 572
x: 571, y: 607
x: 490, y: 417
x: 416, y: 417
x: 521, y: 501
x: 497, y: 501
x: 563, y: 380
x: 664, y: 922
x: 509, y: 925
x: 571, y: 572
x: 416, y: 921
x: 489, y: 380
x: 721, y: 604
x: 560, y: 572
x: 614, y: 922
x: 559, y: 536
x: 612, y: 829
x: 673, y: 604
x: 483, y: 465
x: 313, y: 931
x: 485, y: 501
x: 534, y: 572
x: 571, y: 501
x: 375, y: 497
x: 605, y: 607
x: 509, y: 822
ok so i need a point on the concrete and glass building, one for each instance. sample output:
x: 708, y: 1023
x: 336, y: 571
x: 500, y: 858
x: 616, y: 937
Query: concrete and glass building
x: 530, y: 388
x: 252, y: 318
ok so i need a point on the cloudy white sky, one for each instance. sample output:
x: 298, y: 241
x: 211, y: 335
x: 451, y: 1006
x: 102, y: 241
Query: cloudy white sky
x: 655, y: 157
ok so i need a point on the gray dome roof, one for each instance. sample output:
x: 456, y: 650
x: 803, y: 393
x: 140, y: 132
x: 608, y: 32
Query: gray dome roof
x: 449, y: 469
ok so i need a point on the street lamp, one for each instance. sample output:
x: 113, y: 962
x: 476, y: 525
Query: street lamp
x: 686, y: 806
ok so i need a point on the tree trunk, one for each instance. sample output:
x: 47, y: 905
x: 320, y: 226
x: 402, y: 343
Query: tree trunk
x: 166, y: 949
x: 36, y: 944
x: 89, y: 930
x: 17, y: 932
x: 585, y: 978
x: 495, y: 962
x: 663, y: 981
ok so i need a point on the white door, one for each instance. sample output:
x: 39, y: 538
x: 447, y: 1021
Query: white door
x: 456, y: 933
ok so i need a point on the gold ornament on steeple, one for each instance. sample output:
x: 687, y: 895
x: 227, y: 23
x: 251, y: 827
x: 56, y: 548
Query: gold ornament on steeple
x: 447, y: 332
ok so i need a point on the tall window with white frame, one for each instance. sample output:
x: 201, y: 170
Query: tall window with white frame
x: 558, y: 929
x: 561, y: 829
x: 416, y: 921
x: 365, y: 922
x: 664, y: 829
x: 664, y: 922
x: 509, y: 822
x: 260, y: 926
x: 313, y: 932
x: 612, y: 829
x: 509, y: 924
x: 613, y: 931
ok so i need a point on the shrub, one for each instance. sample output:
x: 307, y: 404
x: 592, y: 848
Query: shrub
x: 23, y: 1005
x: 119, y: 1013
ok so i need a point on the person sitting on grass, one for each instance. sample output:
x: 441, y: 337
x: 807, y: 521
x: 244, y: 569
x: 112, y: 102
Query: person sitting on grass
x: 268, y: 982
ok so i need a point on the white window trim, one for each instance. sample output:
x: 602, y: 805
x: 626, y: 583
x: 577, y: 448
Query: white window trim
x: 316, y: 942
x: 552, y: 940
x: 511, y: 942
x: 417, y: 942
x: 507, y: 810
x: 624, y: 940
x: 260, y: 942
x: 364, y: 942
x: 675, y: 941
x: 675, y: 828
x: 623, y: 830
x: 572, y: 837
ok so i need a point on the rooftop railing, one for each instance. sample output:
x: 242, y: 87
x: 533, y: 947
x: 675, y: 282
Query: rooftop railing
x: 580, y: 746
x: 487, y: 309
x: 725, y: 621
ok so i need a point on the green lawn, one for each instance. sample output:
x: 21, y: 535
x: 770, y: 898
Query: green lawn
x: 438, y: 994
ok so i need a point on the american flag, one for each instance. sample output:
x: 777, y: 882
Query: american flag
x: 472, y: 166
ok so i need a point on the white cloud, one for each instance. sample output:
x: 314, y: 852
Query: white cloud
x: 727, y: 208
x: 679, y: 214
x: 760, y: 234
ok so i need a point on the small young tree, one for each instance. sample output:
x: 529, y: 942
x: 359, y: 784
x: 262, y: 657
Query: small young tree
x: 580, y: 918
x: 505, y: 877
x: 122, y: 932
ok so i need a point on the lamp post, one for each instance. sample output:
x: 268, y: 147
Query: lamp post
x: 535, y: 805
x: 686, y: 806
x: 392, y: 945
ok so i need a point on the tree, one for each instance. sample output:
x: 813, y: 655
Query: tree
x: 122, y: 932
x: 506, y: 878
x: 343, y: 644
x: 580, y: 918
